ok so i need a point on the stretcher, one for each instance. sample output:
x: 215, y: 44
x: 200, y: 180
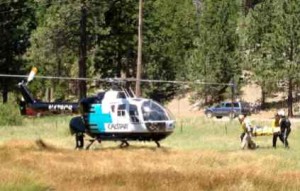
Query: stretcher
x: 265, y: 131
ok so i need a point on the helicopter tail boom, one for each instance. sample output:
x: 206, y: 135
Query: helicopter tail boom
x: 25, y: 93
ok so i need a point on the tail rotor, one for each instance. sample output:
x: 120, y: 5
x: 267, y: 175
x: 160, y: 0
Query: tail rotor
x: 31, y: 74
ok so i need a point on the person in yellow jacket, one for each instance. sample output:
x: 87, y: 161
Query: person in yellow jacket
x: 246, y: 136
x: 276, y: 124
x: 276, y: 121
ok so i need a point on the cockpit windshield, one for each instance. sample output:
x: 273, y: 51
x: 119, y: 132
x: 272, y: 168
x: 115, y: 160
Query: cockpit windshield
x: 152, y: 111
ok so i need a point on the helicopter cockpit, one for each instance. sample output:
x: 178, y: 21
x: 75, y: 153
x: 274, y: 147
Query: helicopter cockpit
x: 152, y: 111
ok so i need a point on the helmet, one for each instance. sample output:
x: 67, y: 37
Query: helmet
x: 241, y: 116
x: 281, y: 112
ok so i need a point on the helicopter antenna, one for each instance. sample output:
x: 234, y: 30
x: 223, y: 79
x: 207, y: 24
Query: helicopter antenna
x: 132, y: 92
x: 114, y: 83
x: 126, y: 92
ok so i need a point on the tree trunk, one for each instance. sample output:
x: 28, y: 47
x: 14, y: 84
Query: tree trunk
x: 83, y: 51
x: 263, y: 98
x: 139, y: 57
x: 290, y: 98
x: 247, y: 6
x: 5, y: 94
x: 250, y: 4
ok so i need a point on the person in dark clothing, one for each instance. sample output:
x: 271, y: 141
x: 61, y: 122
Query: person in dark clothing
x: 285, y: 130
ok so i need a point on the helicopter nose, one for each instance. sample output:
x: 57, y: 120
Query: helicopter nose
x: 171, y: 125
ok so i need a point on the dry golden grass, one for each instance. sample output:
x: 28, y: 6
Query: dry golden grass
x: 202, y: 155
x: 140, y: 168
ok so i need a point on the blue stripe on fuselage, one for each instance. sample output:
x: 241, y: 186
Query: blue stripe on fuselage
x: 98, y: 118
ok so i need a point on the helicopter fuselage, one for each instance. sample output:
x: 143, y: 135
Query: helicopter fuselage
x: 114, y: 116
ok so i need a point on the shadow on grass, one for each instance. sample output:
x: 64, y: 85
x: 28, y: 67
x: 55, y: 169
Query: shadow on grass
x: 133, y: 148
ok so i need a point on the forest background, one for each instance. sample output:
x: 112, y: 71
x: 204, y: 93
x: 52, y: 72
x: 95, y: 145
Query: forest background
x: 212, y: 41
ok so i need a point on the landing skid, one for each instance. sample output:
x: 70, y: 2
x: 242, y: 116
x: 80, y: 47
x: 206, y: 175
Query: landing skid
x: 91, y: 143
x: 157, y: 144
x: 79, y: 138
x: 124, y: 144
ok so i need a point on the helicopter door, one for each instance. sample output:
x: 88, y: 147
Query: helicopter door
x: 121, y: 114
x: 133, y: 114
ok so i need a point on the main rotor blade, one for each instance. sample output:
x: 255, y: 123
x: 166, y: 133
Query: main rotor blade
x: 118, y: 80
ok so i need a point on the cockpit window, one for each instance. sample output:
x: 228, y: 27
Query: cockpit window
x: 152, y: 111
x: 121, y: 95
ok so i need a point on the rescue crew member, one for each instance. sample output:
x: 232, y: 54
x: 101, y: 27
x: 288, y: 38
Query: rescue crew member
x: 285, y: 129
x: 246, y: 136
x: 276, y: 124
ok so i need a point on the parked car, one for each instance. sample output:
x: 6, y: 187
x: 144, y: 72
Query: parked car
x: 231, y: 109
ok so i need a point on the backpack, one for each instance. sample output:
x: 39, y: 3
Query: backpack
x: 285, y: 124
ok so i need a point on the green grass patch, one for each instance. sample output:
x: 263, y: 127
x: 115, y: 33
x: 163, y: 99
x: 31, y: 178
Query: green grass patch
x: 10, y: 115
x: 54, y: 129
x: 28, y: 186
x: 202, y: 133
x: 190, y: 134
x: 224, y: 136
x: 19, y: 178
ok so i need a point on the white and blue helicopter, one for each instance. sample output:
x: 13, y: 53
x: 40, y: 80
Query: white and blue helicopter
x: 110, y: 115
x: 120, y: 116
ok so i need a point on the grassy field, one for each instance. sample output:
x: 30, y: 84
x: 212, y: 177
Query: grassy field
x: 202, y: 154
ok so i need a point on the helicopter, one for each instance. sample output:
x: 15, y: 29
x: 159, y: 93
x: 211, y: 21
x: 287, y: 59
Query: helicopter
x: 30, y: 106
x: 113, y: 115
x: 118, y: 115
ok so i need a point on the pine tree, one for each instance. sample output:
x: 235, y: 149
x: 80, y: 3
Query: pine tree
x: 17, y: 20
x: 215, y: 57
x: 169, y: 29
x: 286, y: 45
x: 56, y: 41
x: 274, y: 44
x: 115, y: 54
x: 260, y: 26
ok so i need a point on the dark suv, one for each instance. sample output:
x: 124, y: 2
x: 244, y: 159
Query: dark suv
x: 231, y: 109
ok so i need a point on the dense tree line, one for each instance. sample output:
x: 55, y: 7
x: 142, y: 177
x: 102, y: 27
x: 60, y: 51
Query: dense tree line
x: 17, y: 20
x: 189, y: 40
x: 272, y: 44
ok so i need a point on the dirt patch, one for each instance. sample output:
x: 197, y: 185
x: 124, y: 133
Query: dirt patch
x: 182, y: 107
x: 25, y: 145
x: 251, y: 93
